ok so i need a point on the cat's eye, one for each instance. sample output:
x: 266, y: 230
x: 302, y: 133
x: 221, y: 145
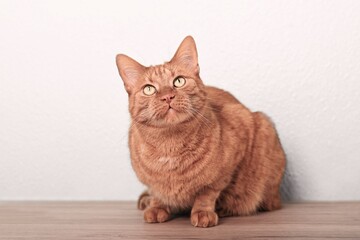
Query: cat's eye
x: 179, y: 82
x: 149, y: 90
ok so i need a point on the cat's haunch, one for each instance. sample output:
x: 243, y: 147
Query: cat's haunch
x: 195, y: 147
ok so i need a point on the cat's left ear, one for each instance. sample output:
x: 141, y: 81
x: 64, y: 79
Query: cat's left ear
x: 187, y: 56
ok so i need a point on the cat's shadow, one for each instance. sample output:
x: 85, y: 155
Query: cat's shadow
x: 288, y: 187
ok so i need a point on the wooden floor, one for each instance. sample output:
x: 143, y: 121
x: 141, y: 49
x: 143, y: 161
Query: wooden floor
x: 121, y: 220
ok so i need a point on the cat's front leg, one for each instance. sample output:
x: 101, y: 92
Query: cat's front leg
x: 203, y: 211
x: 156, y: 212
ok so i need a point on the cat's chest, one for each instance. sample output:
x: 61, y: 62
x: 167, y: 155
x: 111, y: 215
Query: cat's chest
x: 161, y: 157
x: 168, y: 159
x: 162, y: 148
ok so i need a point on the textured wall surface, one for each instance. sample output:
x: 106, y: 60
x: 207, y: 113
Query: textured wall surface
x: 63, y: 109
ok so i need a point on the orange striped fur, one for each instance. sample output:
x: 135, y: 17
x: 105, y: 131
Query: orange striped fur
x: 195, y: 147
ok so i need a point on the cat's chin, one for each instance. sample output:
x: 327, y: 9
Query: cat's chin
x: 171, y: 113
x: 172, y: 117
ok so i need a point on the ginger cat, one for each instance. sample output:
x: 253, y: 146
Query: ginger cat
x: 197, y: 147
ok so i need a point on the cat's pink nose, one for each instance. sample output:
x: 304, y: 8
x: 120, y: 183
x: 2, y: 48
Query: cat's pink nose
x: 167, y: 97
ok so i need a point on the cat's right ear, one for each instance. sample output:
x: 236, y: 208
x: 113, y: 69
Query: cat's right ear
x: 129, y: 70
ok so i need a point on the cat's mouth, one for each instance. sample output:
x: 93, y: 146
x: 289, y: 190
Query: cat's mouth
x: 170, y: 108
x: 171, y: 113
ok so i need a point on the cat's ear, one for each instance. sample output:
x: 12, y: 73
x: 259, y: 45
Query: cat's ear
x: 130, y: 71
x: 187, y: 56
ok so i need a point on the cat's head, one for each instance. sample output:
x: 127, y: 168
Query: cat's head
x: 166, y: 94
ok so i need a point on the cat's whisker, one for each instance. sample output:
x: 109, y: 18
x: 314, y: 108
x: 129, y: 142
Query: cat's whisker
x: 211, y: 108
x: 198, y: 112
x: 134, y: 121
x: 199, y: 117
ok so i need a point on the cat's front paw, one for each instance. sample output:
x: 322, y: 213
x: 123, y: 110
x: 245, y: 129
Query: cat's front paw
x: 156, y: 215
x: 204, y: 219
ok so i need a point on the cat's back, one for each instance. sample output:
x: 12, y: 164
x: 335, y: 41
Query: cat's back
x: 219, y: 97
x: 224, y: 103
x: 235, y: 120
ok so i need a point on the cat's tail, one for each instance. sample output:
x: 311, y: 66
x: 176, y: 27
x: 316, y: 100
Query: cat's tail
x: 144, y: 200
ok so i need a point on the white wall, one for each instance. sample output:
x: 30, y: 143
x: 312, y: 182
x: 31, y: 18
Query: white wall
x: 63, y: 109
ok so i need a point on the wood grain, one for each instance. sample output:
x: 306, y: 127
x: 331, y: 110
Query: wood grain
x: 121, y: 220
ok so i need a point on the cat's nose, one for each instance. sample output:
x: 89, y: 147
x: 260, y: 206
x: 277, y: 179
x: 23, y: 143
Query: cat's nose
x: 167, y: 98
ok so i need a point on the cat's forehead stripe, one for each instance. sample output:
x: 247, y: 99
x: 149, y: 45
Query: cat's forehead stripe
x: 160, y: 70
x: 168, y: 68
x: 156, y: 71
